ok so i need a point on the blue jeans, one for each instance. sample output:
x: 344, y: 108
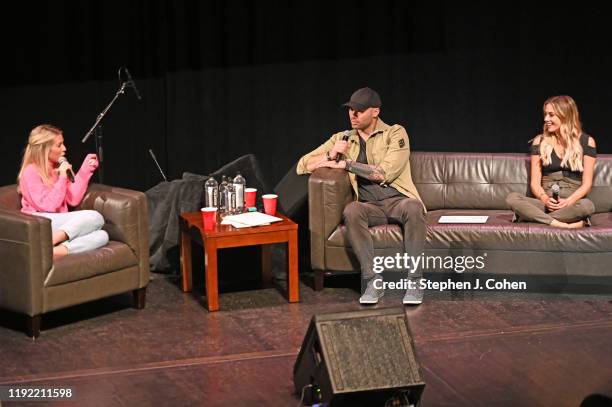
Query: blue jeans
x: 83, y: 228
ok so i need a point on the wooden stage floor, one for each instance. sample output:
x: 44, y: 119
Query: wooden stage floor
x: 498, y: 350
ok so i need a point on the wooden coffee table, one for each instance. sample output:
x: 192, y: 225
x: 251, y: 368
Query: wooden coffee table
x: 225, y: 236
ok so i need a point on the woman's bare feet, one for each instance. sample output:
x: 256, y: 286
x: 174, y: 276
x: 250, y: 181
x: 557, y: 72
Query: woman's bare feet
x: 574, y: 225
x: 59, y: 251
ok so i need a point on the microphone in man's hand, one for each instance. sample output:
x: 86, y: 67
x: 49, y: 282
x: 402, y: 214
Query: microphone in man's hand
x: 69, y: 173
x: 345, y: 137
x: 555, y: 192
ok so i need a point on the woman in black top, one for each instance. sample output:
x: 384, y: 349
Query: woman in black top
x: 563, y: 156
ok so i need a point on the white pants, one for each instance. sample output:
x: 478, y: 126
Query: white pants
x: 83, y: 228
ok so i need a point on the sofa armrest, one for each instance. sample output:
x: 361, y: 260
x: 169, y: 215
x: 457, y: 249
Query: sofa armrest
x: 329, y: 191
x: 126, y: 219
x: 26, y: 257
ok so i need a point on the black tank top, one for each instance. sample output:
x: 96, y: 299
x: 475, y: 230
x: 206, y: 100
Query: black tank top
x: 555, y: 160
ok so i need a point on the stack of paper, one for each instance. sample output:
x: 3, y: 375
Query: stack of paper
x: 463, y: 219
x: 248, y: 219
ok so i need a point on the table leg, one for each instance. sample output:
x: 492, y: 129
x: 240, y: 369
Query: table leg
x: 266, y: 264
x: 210, y: 263
x: 293, y: 288
x: 186, y: 260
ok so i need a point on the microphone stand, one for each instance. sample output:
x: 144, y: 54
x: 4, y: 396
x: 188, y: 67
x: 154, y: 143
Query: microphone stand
x: 97, y: 129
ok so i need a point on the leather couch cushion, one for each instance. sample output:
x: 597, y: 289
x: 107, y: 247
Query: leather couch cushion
x: 468, y: 180
x: 112, y: 257
x: 384, y: 236
x: 9, y: 198
x: 484, y: 180
x: 601, y: 191
x: 499, y: 233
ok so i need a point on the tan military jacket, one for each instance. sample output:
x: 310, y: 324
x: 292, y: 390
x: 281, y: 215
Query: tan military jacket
x: 388, y: 147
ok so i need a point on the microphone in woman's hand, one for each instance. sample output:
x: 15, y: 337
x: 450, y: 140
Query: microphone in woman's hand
x: 555, y: 192
x: 69, y: 172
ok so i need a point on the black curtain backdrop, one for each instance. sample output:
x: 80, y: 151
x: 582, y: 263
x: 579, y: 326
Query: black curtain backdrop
x: 220, y: 79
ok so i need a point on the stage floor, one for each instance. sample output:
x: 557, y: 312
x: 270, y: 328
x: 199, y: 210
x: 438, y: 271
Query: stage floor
x: 491, y: 350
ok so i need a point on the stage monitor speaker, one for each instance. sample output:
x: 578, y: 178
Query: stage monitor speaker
x: 359, y: 358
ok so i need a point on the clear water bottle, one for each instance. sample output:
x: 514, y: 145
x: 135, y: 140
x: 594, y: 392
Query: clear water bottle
x: 239, y: 185
x: 211, y: 193
x: 230, y: 198
x: 223, y: 195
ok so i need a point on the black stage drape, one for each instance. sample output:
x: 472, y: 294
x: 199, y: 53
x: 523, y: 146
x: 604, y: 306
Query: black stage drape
x: 221, y: 79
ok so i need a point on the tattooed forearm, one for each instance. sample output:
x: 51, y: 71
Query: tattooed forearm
x: 371, y: 172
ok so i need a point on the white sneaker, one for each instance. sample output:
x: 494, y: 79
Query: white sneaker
x: 371, y: 294
x: 413, y: 296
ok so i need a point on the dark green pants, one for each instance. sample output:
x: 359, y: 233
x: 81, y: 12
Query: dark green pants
x: 406, y: 212
x: 533, y: 210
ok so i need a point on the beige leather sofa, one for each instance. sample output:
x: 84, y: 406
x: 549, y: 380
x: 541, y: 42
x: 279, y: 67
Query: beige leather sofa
x: 31, y: 284
x: 470, y: 184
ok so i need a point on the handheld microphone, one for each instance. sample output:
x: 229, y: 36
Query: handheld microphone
x: 345, y: 137
x: 132, y: 84
x: 555, y: 192
x: 69, y: 173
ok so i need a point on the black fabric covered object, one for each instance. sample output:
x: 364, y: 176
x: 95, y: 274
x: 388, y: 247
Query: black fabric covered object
x: 168, y: 200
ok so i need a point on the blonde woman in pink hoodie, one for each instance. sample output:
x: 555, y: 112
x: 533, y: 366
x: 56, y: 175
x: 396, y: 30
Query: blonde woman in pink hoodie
x: 47, y: 191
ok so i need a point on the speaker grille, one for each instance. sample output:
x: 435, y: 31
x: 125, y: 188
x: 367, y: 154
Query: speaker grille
x: 368, y: 352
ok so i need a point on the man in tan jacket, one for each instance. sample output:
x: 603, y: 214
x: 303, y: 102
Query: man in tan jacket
x: 376, y: 156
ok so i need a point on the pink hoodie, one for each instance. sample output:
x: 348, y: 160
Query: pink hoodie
x: 36, y: 196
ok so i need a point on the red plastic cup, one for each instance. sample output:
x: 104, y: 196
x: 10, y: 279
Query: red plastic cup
x: 269, y: 201
x: 209, y: 216
x: 250, y: 195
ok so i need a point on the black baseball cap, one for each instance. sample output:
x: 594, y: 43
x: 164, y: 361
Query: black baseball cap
x: 363, y: 98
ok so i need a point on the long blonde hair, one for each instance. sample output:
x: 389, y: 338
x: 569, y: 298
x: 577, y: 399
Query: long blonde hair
x: 37, y: 151
x: 568, y: 135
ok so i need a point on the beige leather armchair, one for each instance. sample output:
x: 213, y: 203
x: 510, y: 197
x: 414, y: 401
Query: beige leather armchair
x: 30, y: 282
